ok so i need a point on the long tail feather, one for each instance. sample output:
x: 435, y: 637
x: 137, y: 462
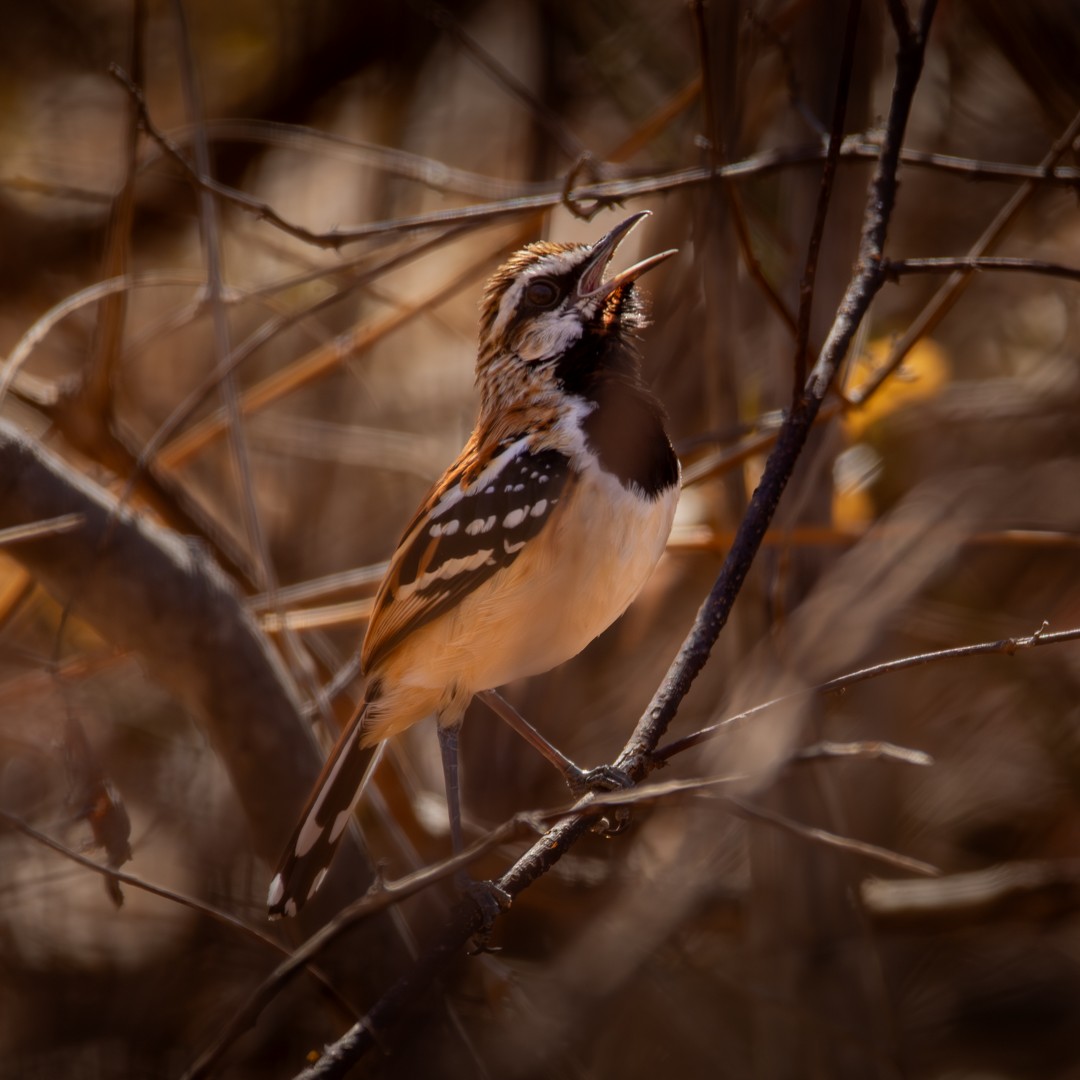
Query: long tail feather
x: 307, y: 857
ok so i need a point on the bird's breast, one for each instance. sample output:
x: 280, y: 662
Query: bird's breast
x: 568, y: 586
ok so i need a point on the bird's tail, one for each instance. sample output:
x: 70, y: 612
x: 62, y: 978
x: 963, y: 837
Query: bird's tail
x: 307, y: 858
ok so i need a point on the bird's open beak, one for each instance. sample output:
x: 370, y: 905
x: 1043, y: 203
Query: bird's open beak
x: 591, y: 285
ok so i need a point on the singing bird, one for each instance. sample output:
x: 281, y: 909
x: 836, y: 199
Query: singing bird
x: 534, y: 541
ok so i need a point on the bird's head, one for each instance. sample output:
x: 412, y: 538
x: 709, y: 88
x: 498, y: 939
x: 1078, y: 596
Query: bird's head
x: 549, y: 313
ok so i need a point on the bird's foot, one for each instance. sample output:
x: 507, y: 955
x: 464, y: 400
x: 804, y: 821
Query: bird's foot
x: 491, y: 901
x: 600, y: 781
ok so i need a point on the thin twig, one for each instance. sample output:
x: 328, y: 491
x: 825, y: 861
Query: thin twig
x: 974, y: 264
x: 551, y: 122
x: 1007, y: 646
x: 943, y: 300
x: 828, y: 176
x: 862, y: 848
x: 253, y: 933
x: 52, y: 527
x: 381, y: 896
x: 855, y: 147
x: 828, y: 750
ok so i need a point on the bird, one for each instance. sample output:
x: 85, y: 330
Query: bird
x: 534, y: 541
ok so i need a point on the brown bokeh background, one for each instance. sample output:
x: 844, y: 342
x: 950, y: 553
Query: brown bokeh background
x: 706, y: 940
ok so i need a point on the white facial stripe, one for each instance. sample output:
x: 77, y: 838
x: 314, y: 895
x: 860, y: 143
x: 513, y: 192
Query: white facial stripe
x: 549, y: 266
x: 548, y: 335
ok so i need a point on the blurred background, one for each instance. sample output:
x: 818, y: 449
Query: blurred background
x: 243, y: 377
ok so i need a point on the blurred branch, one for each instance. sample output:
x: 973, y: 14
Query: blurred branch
x: 735, y: 200
x: 384, y: 894
x: 146, y: 589
x: 974, y: 264
x: 1012, y: 892
x: 381, y: 896
x: 52, y: 527
x: 120, y: 877
x: 636, y: 757
x: 702, y: 538
x: 1005, y: 646
x: 942, y: 301
x: 95, y: 387
x: 306, y: 369
x: 828, y: 750
x: 821, y: 210
x: 780, y: 40
x: 854, y: 147
x: 210, y: 236
x: 552, y: 123
x: 187, y: 408
x: 84, y: 428
x: 812, y: 833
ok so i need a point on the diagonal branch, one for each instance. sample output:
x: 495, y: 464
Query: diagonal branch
x: 145, y: 588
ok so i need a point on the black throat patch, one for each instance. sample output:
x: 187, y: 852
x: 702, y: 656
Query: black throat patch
x: 626, y: 428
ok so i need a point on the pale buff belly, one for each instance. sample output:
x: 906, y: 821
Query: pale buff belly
x: 547, y: 605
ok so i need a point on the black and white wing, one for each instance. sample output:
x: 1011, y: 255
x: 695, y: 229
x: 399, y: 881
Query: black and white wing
x: 470, y: 527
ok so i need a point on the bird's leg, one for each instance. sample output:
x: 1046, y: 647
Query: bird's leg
x: 602, y: 778
x: 486, y: 894
x: 448, y: 749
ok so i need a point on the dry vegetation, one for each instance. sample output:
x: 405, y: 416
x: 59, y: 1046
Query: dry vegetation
x: 241, y: 387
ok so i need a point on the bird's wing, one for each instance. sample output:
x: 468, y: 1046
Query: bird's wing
x: 475, y: 522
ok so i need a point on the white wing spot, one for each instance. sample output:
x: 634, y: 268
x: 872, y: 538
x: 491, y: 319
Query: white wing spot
x: 309, y: 834
x: 519, y: 487
x: 447, y: 528
x: 290, y: 908
x: 515, y: 517
x: 317, y: 882
x: 544, y: 479
x: 480, y: 525
x: 489, y: 490
x: 539, y: 509
x: 277, y: 891
x: 339, y: 824
x: 513, y: 549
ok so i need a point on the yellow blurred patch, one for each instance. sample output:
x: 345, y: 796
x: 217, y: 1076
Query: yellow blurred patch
x: 921, y: 376
x: 923, y: 373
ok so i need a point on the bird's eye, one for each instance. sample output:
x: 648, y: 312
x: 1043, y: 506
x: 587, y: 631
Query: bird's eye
x: 542, y: 293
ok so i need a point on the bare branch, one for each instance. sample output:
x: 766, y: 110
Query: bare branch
x: 1005, y: 646
x: 1012, y: 892
x: 146, y: 589
x: 943, y: 300
x: 828, y: 175
x: 815, y: 835
x: 974, y: 264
